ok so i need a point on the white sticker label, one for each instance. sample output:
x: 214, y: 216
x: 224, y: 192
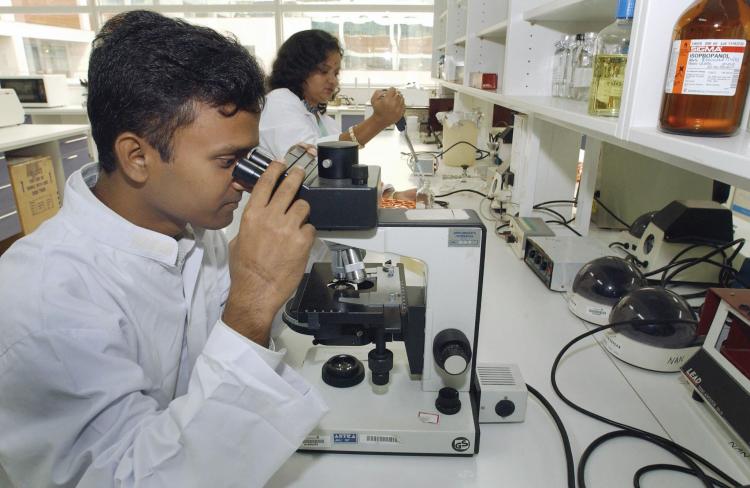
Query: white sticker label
x: 379, y: 439
x: 705, y: 67
x: 429, y: 418
x: 596, y: 311
x: 316, y: 441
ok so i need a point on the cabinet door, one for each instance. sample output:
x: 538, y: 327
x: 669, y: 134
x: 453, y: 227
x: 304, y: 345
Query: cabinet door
x: 9, y: 225
x: 4, y: 176
x: 73, y: 145
x: 72, y: 162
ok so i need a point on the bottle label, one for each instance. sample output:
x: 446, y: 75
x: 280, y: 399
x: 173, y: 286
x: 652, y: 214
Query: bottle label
x: 705, y: 67
x: 610, y: 89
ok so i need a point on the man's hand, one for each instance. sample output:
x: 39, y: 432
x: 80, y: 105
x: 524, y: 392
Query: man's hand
x: 388, y: 106
x: 269, y: 254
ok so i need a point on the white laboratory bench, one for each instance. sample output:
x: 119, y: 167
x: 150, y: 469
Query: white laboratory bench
x: 523, y: 322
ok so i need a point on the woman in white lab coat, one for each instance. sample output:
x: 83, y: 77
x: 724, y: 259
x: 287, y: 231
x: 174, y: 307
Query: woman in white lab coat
x: 303, y: 80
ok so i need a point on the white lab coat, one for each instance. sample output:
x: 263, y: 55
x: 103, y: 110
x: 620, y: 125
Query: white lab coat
x: 116, y: 369
x: 285, y: 122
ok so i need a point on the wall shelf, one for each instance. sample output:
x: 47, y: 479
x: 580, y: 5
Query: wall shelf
x: 572, y: 11
x: 723, y: 158
x: 495, y: 32
x: 460, y: 41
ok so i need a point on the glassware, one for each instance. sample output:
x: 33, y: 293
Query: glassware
x: 558, y: 66
x: 611, y: 48
x: 425, y: 197
x: 707, y: 78
x: 583, y: 66
x: 570, y: 49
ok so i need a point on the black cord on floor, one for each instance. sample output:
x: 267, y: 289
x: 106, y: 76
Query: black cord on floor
x: 570, y: 467
x: 667, y: 444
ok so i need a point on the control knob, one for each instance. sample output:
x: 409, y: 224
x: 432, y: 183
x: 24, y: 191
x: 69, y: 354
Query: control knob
x: 452, y: 351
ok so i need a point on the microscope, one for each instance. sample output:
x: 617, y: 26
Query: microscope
x: 394, y: 341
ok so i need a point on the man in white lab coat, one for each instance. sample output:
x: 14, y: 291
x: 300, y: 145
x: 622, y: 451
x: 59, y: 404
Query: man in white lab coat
x: 127, y: 357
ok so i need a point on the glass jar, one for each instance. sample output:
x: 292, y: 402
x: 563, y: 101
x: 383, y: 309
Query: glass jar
x: 611, y: 47
x: 707, y: 79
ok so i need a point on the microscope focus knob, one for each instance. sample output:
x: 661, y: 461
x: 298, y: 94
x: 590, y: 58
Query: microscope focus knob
x: 360, y: 174
x: 452, y: 351
x: 447, y: 401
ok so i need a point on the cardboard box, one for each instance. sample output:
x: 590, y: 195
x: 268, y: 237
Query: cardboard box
x: 34, y: 190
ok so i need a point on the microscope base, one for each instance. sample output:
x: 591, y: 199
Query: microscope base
x: 397, y: 418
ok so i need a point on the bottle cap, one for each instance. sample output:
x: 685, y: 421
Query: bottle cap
x: 625, y: 9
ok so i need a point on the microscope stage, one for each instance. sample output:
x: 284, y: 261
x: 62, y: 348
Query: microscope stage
x: 396, y: 418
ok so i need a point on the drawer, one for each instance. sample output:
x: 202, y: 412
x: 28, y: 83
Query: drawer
x: 73, y: 162
x: 7, y: 203
x: 4, y: 176
x: 9, y: 225
x: 73, y: 144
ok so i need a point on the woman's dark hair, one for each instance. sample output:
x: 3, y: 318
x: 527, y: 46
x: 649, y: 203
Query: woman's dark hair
x: 299, y: 56
x: 147, y: 72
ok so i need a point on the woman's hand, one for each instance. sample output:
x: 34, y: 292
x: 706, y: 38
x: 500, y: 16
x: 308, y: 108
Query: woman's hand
x: 388, y: 106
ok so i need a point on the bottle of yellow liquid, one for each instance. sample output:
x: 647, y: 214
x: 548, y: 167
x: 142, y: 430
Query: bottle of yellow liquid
x: 611, y: 48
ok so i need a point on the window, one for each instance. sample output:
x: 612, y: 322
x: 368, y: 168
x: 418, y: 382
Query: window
x: 388, y: 45
x: 380, y: 48
x: 39, y: 43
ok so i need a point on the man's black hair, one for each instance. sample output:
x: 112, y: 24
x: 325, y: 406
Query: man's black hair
x: 299, y: 56
x: 147, y: 72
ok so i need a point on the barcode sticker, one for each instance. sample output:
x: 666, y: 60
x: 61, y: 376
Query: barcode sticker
x: 312, y: 441
x: 379, y: 439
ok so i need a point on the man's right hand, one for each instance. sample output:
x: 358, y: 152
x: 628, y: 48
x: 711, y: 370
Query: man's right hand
x: 269, y: 254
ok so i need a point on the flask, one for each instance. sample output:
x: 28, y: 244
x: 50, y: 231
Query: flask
x: 425, y: 198
x: 558, y: 66
x: 611, y: 57
x: 707, y: 77
x: 583, y: 67
x: 570, y: 52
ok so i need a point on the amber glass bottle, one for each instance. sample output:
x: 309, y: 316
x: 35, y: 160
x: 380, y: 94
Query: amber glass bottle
x: 707, y: 77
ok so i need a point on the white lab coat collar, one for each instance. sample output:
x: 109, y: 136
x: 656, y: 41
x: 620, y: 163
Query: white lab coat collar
x: 90, y: 216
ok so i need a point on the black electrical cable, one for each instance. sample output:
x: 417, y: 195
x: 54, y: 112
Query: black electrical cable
x: 647, y: 435
x: 674, y: 262
x: 706, y: 259
x: 459, y: 191
x: 693, y: 468
x: 596, y: 199
x: 569, y: 463
x: 549, y: 202
x: 564, y: 224
x: 483, y: 154
x: 669, y: 467
x: 630, y: 255
x: 553, y: 212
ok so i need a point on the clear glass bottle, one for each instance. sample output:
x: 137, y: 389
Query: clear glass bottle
x: 583, y: 67
x: 707, y: 79
x: 425, y: 197
x: 558, y: 67
x: 570, y: 51
x: 610, y: 59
